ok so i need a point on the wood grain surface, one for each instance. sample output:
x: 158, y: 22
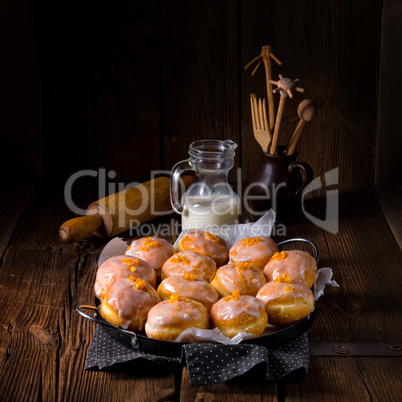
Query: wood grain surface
x: 333, y: 48
x: 387, y: 169
x: 390, y: 199
x: 128, y: 86
x: 201, y: 77
x: 43, y: 280
x: 12, y: 207
x: 329, y: 379
x: 365, y: 308
x: 106, y: 81
x: 21, y: 141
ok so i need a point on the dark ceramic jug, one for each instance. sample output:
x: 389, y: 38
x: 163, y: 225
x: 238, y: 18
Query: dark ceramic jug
x: 277, y: 183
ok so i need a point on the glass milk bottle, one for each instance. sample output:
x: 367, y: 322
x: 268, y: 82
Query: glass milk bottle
x: 210, y: 201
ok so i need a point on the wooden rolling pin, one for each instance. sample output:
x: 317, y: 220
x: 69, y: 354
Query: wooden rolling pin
x: 119, y: 212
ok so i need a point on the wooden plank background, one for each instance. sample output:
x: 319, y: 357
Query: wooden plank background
x: 388, y: 168
x: 43, y: 280
x: 21, y: 143
x: 129, y: 85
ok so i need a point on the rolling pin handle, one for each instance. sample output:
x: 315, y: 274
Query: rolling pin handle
x: 80, y: 228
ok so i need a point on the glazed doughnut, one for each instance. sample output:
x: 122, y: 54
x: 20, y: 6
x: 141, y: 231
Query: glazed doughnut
x: 257, y: 250
x: 286, y: 303
x: 168, y: 319
x: 242, y: 276
x: 236, y: 313
x: 127, y: 302
x: 205, y: 243
x: 189, y: 262
x: 300, y: 266
x: 153, y: 250
x: 189, y: 286
x: 119, y: 267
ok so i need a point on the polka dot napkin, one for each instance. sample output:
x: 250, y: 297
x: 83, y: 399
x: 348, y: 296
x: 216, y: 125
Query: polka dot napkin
x: 207, y: 363
x: 213, y: 363
x: 107, y: 350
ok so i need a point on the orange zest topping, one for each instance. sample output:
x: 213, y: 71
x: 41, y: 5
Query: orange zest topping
x: 132, y: 263
x: 288, y: 288
x: 278, y: 256
x: 139, y: 284
x: 211, y: 236
x: 149, y: 243
x: 251, y: 242
x: 174, y: 297
x: 180, y: 259
x: 283, y: 279
x: 189, y: 277
x: 234, y: 296
x: 243, y: 266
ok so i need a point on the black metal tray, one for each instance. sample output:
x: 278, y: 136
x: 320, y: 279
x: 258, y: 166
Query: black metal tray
x: 174, y: 349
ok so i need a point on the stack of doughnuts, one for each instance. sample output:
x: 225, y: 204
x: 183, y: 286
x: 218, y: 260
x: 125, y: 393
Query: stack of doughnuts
x: 204, y: 284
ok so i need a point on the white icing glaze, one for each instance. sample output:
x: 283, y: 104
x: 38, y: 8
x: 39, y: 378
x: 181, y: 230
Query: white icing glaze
x: 258, y: 254
x: 277, y: 291
x: 232, y: 309
x: 114, y: 269
x: 247, y: 281
x: 182, y: 312
x: 155, y: 254
x: 295, y: 264
x: 189, y: 262
x: 131, y: 304
x: 197, y: 289
x: 214, y: 247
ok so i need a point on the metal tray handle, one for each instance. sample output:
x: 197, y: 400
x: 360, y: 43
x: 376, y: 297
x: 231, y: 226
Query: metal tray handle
x: 106, y: 324
x: 317, y: 254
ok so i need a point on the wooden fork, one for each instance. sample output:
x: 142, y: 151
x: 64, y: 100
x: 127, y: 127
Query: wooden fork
x: 260, y: 122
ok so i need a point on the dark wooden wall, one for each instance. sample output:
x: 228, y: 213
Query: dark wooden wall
x: 128, y: 85
x: 21, y: 142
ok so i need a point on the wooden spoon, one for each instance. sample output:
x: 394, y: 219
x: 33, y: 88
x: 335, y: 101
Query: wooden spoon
x: 284, y: 86
x: 306, y: 111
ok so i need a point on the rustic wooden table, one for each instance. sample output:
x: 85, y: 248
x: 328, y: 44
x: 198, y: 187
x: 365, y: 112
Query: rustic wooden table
x: 44, y: 342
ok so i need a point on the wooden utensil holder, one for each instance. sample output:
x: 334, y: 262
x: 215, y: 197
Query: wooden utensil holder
x: 278, y: 183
